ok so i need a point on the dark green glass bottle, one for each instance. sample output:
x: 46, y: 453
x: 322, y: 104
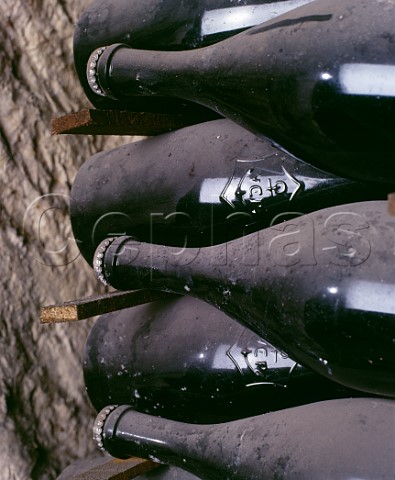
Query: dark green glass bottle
x: 320, y: 287
x: 317, y: 80
x: 337, y: 440
x: 199, y: 186
x: 164, y: 25
x: 185, y: 360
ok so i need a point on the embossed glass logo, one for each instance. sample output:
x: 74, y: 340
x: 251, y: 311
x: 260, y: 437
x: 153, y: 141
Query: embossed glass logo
x: 251, y: 184
x: 252, y: 355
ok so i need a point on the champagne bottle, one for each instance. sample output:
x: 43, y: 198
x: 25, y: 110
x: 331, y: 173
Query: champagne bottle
x: 337, y: 439
x: 164, y: 25
x: 185, y: 360
x: 218, y: 182
x: 319, y: 287
x: 316, y: 80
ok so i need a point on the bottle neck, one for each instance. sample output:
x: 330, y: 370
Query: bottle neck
x: 125, y: 72
x: 128, y: 433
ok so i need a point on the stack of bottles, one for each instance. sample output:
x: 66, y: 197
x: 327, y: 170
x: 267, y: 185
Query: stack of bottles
x: 267, y: 224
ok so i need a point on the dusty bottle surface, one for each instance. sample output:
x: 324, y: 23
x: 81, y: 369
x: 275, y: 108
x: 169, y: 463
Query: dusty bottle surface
x: 199, y: 186
x: 184, y: 359
x: 316, y: 80
x: 337, y: 439
x: 164, y: 25
x: 319, y: 287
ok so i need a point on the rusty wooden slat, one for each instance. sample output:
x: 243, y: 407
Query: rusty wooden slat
x: 391, y: 204
x: 117, y: 122
x: 116, y: 469
x: 98, y: 305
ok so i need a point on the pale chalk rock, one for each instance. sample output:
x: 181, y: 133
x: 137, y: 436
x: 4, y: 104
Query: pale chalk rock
x: 45, y: 415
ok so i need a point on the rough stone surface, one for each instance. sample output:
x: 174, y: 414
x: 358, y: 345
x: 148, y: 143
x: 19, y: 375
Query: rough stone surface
x: 45, y: 416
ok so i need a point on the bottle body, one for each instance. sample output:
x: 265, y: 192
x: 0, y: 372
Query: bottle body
x: 218, y: 182
x: 315, y: 80
x: 318, y: 287
x: 163, y: 25
x: 292, y: 443
x: 159, y: 358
